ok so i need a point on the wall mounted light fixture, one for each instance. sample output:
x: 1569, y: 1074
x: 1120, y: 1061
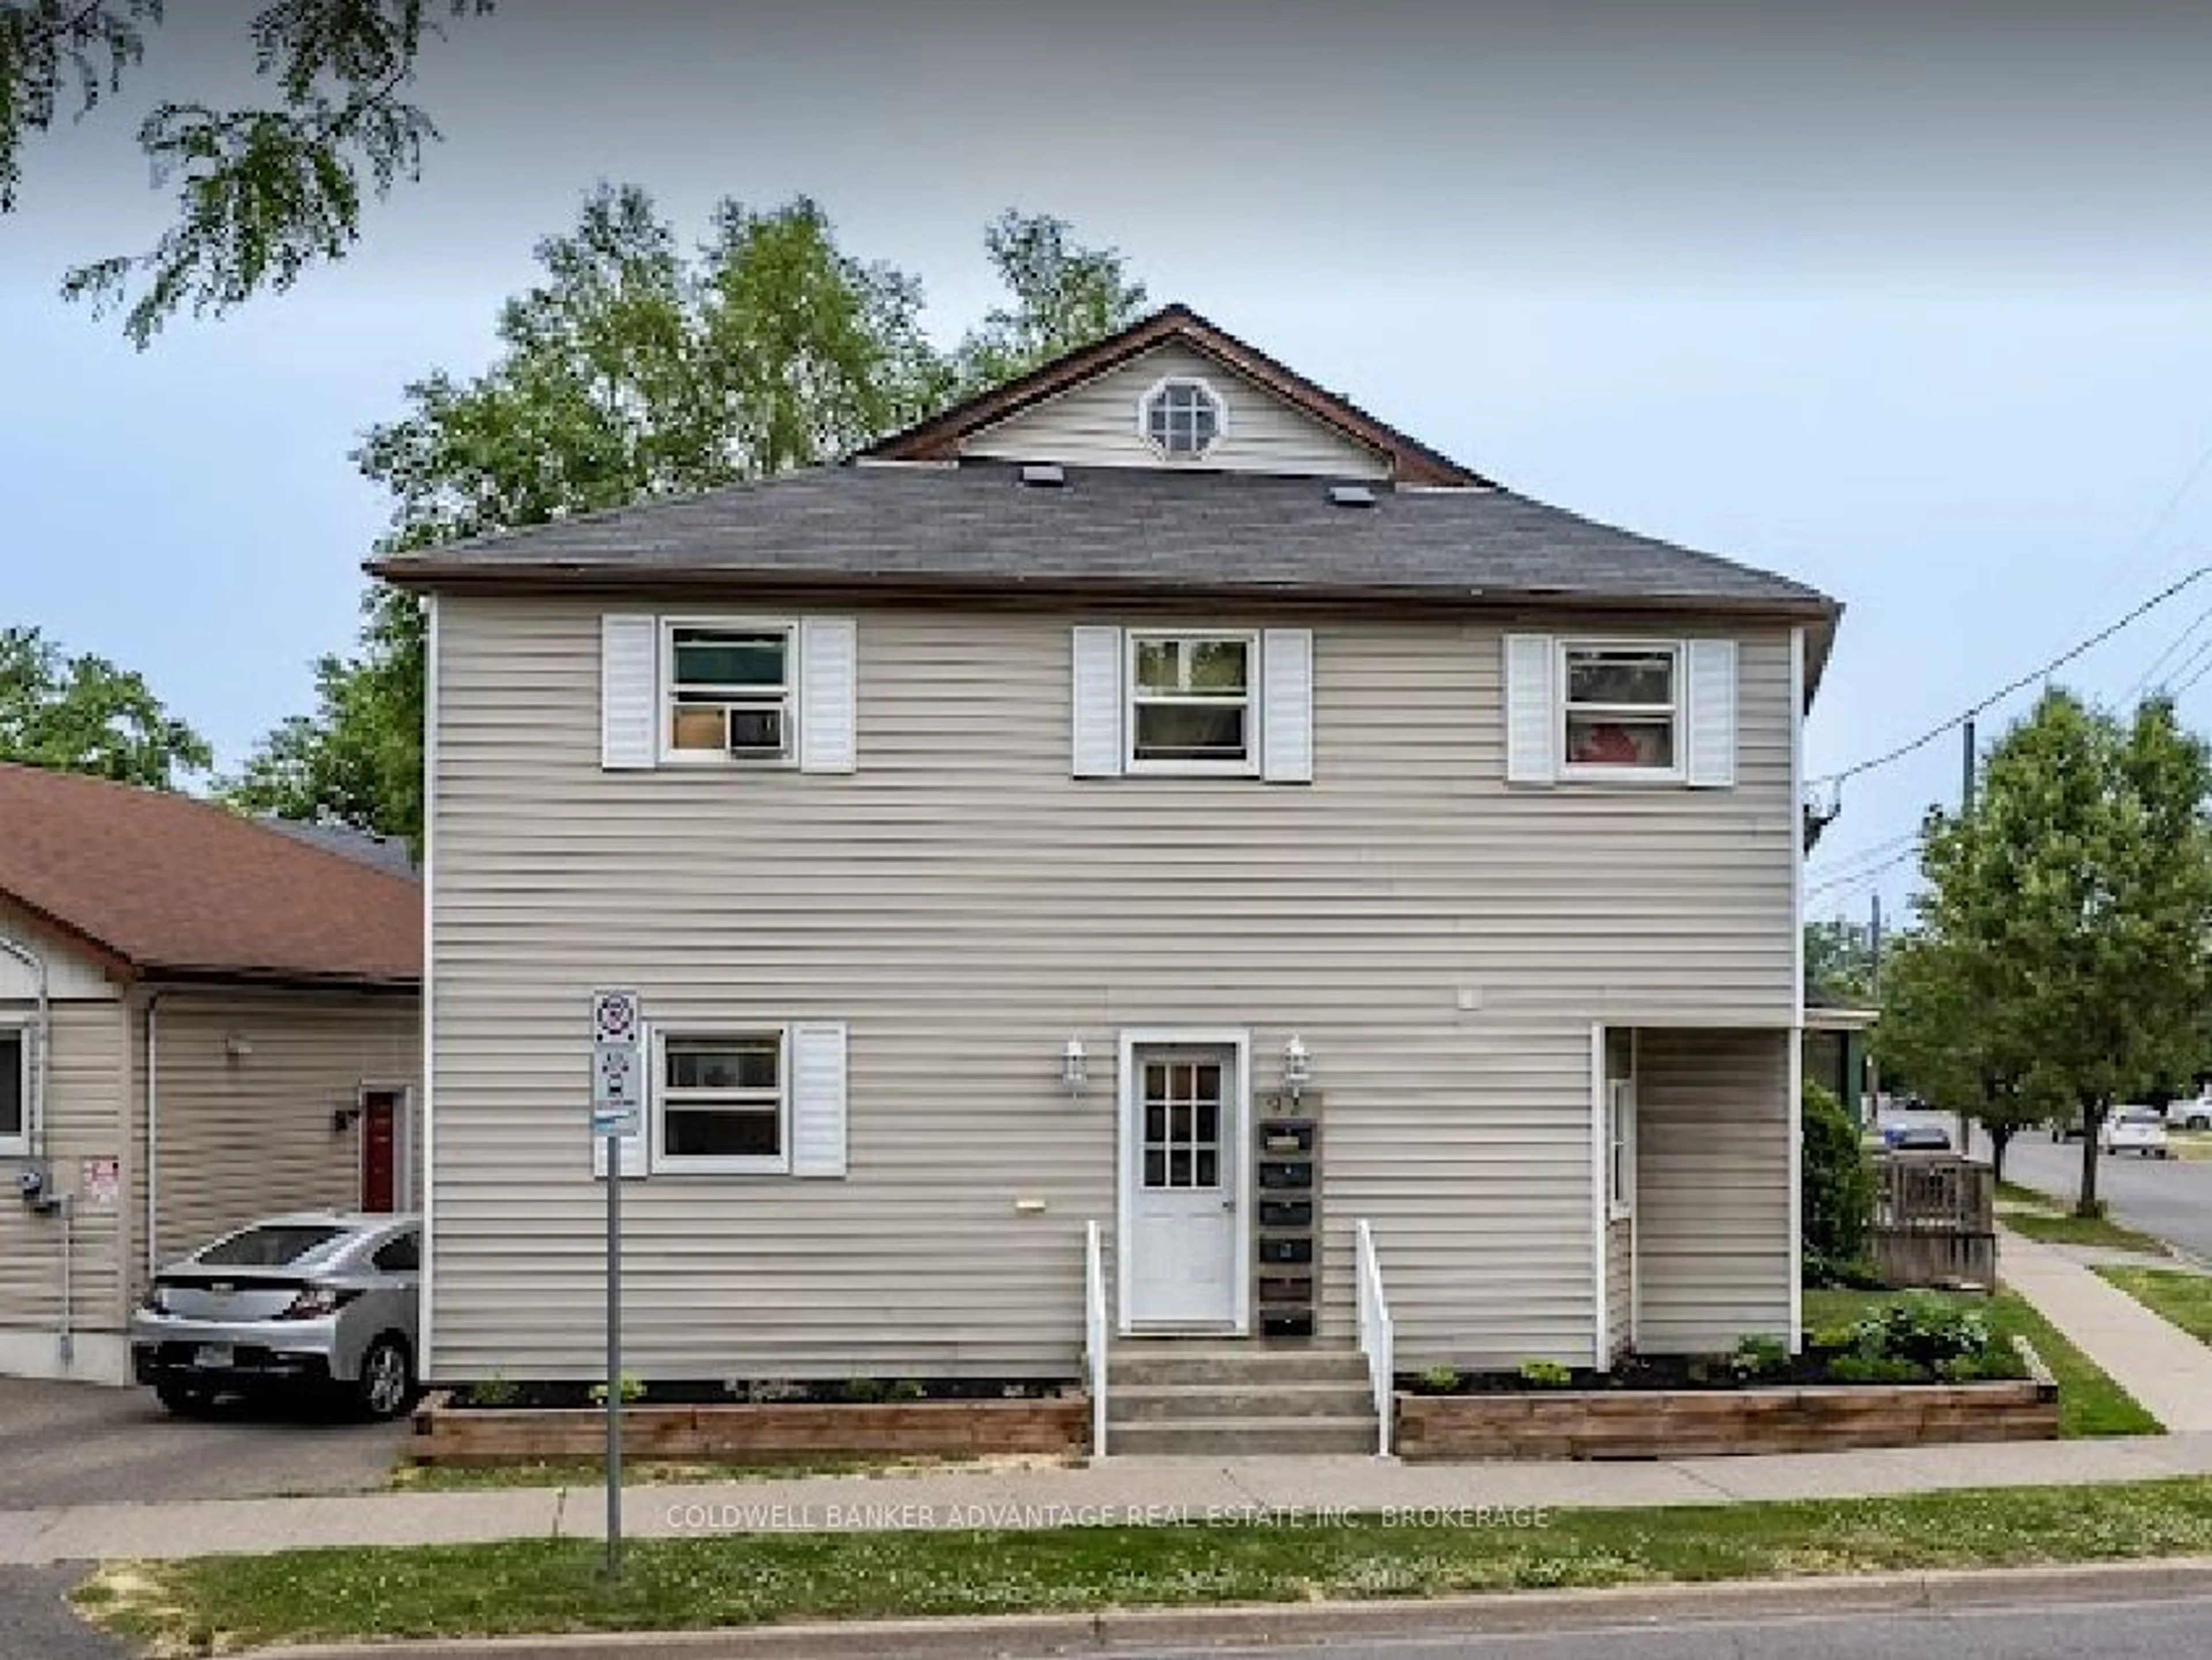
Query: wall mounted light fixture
x: 1297, y: 1067
x: 1074, y: 1068
x: 237, y: 1046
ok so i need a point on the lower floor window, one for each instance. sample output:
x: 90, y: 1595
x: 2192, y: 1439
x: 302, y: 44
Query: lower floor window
x: 722, y: 1100
x: 1620, y: 1148
x: 14, y: 1084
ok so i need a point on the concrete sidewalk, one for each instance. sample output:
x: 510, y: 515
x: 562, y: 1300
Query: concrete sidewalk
x: 1121, y: 1490
x: 2166, y: 1369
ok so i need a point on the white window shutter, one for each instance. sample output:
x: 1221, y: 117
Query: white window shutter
x: 818, y: 1099
x: 1098, y: 695
x: 629, y: 691
x: 1286, y: 715
x: 829, y: 657
x: 634, y: 1145
x: 1711, y: 715
x: 1532, y: 709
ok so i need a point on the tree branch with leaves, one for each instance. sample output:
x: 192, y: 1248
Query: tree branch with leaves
x: 263, y: 193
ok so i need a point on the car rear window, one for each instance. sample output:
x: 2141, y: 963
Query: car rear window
x: 272, y: 1247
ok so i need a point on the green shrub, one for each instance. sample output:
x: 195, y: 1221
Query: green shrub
x: 1546, y: 1374
x: 1760, y: 1356
x: 1832, y: 1339
x: 493, y: 1391
x: 1925, y: 1329
x: 633, y: 1391
x: 1837, y: 1194
x: 862, y: 1389
x: 1440, y: 1380
x: 907, y: 1388
x: 1875, y: 1368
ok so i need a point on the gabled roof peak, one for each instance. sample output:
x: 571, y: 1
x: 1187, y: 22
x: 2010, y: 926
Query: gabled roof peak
x: 939, y: 438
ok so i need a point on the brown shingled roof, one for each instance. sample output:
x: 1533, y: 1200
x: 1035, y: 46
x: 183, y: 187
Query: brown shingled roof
x: 165, y: 885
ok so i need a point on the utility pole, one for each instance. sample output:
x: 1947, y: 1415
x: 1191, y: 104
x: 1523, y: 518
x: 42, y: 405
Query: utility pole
x: 1966, y: 768
x: 1874, y: 996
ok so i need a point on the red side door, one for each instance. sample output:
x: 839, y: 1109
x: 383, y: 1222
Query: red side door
x: 380, y: 1150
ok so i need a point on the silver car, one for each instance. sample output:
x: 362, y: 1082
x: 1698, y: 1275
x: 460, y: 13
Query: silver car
x: 315, y: 1303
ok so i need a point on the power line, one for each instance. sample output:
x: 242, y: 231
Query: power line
x: 2150, y: 674
x: 1843, y: 862
x: 1864, y: 878
x: 2007, y: 690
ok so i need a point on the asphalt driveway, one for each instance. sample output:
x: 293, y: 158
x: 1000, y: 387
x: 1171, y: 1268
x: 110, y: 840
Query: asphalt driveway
x: 79, y: 1444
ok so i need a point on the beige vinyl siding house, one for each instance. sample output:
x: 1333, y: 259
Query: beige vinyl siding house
x: 1214, y: 761
x: 161, y: 1093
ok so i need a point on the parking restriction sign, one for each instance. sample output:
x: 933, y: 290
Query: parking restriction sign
x: 614, y: 1017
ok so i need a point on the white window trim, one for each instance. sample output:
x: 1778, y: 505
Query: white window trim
x: 1570, y: 771
x: 18, y: 1144
x: 1145, y: 418
x: 1255, y: 701
x: 1620, y: 1136
x: 664, y: 684
x: 661, y: 1162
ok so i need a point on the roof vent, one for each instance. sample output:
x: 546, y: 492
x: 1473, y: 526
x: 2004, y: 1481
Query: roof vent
x: 1043, y: 475
x: 1350, y: 495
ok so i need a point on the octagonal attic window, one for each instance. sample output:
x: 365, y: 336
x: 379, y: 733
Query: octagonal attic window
x: 1183, y: 418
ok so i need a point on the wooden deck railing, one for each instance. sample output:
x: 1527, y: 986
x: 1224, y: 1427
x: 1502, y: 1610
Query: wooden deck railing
x: 1935, y: 1220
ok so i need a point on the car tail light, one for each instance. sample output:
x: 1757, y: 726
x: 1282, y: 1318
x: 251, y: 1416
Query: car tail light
x: 316, y: 1302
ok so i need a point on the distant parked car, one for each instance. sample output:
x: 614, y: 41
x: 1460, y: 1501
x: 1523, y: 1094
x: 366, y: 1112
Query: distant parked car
x: 317, y: 1305
x: 2140, y: 1130
x: 1918, y: 1138
x: 2191, y: 1113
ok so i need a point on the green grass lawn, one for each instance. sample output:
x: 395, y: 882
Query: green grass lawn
x: 230, y: 1603
x: 2062, y: 1230
x: 2183, y: 1298
x: 2011, y: 1193
x: 2189, y: 1144
x: 644, y: 1472
x: 2089, y: 1402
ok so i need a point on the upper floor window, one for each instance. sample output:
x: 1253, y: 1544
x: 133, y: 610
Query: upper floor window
x: 728, y: 691
x: 1183, y: 418
x: 15, y: 1089
x: 1621, y: 706
x: 1190, y: 700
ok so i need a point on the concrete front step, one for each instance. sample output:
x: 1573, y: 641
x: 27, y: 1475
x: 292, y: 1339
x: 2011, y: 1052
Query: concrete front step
x: 1298, y: 1397
x: 1246, y: 1365
x: 1234, y: 1438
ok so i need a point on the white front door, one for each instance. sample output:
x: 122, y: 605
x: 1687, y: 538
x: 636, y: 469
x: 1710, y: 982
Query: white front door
x: 1183, y: 1178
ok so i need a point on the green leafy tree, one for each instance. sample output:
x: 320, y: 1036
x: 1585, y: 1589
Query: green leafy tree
x: 1065, y: 295
x: 1950, y: 1021
x: 1839, y: 962
x: 263, y: 192
x: 2080, y: 887
x: 631, y: 370
x: 85, y: 714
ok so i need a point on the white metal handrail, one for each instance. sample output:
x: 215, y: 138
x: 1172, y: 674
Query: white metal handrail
x: 1094, y: 1333
x: 1378, y: 1342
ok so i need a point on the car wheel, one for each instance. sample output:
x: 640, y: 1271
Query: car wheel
x: 181, y: 1400
x: 386, y: 1385
x: 2199, y: 1121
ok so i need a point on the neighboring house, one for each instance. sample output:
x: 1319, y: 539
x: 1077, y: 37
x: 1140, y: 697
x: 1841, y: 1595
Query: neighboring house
x: 201, y: 1021
x: 998, y: 827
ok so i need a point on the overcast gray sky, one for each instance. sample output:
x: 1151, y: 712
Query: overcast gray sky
x: 1912, y: 303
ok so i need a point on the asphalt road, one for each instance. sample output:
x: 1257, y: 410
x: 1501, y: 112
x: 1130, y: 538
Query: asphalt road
x: 2140, y: 1631
x: 81, y: 1444
x: 2169, y: 1197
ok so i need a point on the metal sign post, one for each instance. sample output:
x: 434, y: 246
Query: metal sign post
x: 615, y: 1105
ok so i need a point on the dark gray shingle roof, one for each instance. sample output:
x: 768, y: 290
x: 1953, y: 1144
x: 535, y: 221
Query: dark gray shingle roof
x: 1132, y: 529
